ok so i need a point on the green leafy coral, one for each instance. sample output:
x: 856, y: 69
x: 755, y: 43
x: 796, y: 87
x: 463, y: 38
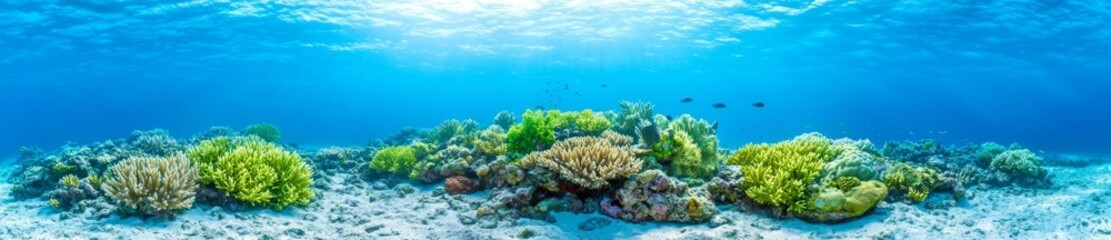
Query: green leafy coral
x: 399, y: 160
x: 631, y: 113
x: 254, y: 171
x: 779, y: 174
x: 534, y: 133
x: 914, y: 182
x: 266, y: 131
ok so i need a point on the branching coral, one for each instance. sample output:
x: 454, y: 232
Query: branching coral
x: 915, y: 182
x: 399, y: 160
x: 534, y: 133
x: 254, y: 171
x: 588, y: 162
x: 778, y: 174
x: 631, y: 113
x: 1018, y: 163
x: 504, y: 119
x: 451, y: 129
x: 153, y: 186
x: 155, y: 142
x: 591, y: 123
x: 491, y: 142
x: 266, y: 131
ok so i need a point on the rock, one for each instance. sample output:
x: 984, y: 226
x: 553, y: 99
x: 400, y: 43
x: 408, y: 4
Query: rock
x: 295, y: 232
x: 719, y: 220
x: 459, y: 185
x: 373, y: 228
x: 594, y: 223
x: 488, y: 223
x: 467, y: 220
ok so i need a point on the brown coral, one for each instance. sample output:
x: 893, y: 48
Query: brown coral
x: 589, y: 162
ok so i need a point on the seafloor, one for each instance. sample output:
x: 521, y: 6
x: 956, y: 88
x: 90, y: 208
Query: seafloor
x: 1075, y: 208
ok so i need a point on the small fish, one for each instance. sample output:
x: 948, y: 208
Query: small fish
x: 669, y: 117
x: 686, y: 100
x: 719, y: 105
x: 758, y: 104
x: 566, y: 86
x: 604, y: 85
x: 715, y: 126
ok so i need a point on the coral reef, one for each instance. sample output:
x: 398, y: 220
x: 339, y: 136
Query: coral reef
x: 153, y: 186
x: 450, y: 130
x: 491, y: 142
x: 588, y: 162
x: 652, y: 196
x: 266, y: 131
x: 591, y: 123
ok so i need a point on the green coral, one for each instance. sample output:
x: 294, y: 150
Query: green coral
x: 534, y: 133
x: 845, y: 183
x: 1018, y: 163
x: 62, y: 168
x: 987, y: 153
x: 852, y: 202
x: 94, y: 180
x: 70, y: 181
x: 491, y: 142
x: 504, y: 119
x: 631, y: 113
x: 54, y: 203
x: 851, y: 162
x: 452, y: 129
x: 779, y: 174
x: 591, y: 123
x: 254, y: 171
x: 915, y: 182
x: 702, y: 138
x: 399, y: 160
x: 266, y: 131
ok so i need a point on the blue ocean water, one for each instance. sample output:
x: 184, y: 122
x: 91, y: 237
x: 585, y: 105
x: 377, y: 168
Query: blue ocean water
x: 340, y: 73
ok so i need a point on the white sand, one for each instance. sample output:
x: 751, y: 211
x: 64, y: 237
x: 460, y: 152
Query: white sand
x: 1075, y: 209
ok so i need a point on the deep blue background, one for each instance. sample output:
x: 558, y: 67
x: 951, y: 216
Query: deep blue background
x: 1036, y: 74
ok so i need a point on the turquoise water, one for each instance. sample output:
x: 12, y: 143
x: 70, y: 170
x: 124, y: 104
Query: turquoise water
x: 337, y: 73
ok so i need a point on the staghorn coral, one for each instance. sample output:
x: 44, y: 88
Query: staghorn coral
x: 70, y: 181
x: 534, y: 133
x: 266, y: 131
x: 504, y: 119
x: 779, y: 174
x: 153, y: 186
x: 588, y: 162
x: 254, y: 171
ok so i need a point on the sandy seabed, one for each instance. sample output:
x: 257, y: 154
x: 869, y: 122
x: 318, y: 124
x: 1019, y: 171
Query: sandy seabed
x: 1075, y: 208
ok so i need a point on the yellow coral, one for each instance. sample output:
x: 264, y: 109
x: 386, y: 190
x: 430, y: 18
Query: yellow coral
x: 70, y: 181
x: 779, y: 174
x: 587, y: 161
